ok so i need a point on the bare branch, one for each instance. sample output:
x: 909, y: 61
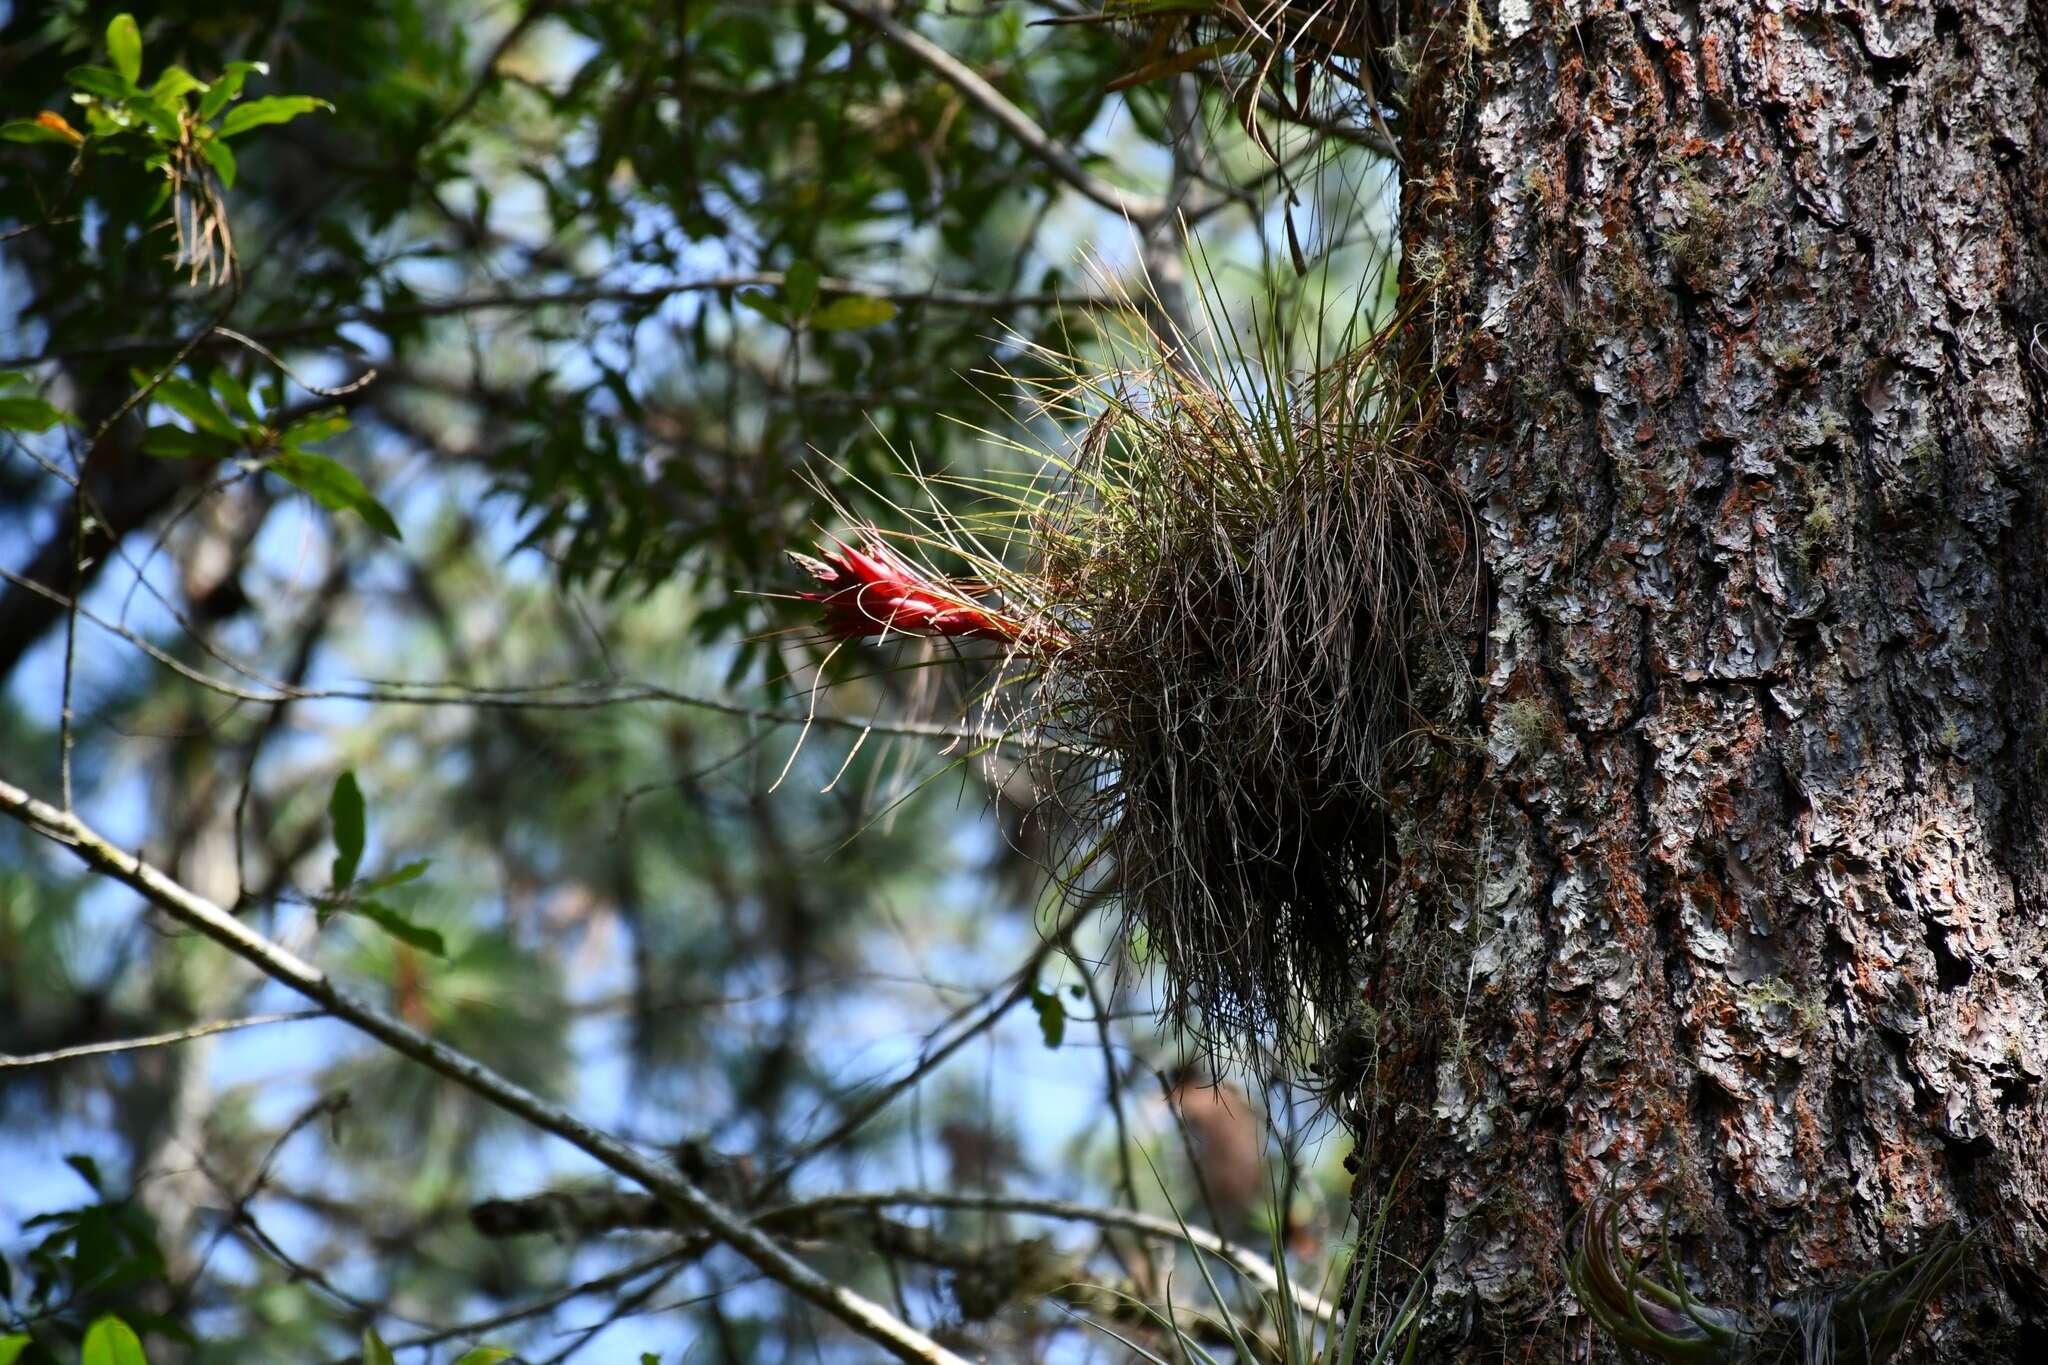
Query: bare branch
x: 867, y: 1318
x: 183, y: 1035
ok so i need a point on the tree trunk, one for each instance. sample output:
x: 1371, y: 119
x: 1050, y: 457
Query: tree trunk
x: 1744, y: 306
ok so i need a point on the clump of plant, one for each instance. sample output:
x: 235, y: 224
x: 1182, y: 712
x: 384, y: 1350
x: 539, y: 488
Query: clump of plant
x: 1862, y: 1322
x: 1233, y: 603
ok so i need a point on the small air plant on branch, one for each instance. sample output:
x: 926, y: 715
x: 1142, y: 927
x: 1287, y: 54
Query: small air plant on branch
x: 1863, y: 1322
x: 1233, y: 605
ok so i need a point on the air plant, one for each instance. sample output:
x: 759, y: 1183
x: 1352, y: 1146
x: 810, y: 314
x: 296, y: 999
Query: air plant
x: 1863, y: 1322
x: 1235, y: 599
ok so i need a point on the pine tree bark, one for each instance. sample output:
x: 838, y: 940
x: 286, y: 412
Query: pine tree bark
x: 1744, y: 311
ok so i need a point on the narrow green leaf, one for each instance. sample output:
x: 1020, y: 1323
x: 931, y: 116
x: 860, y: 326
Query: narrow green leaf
x: 196, y: 405
x: 375, y: 1352
x: 176, y: 443
x: 334, y: 487
x: 97, y: 80
x: 401, y: 928
x: 31, y: 130
x: 231, y: 393
x: 11, y: 1347
x: 28, y: 413
x: 410, y: 872
x: 311, y: 430
x: 800, y: 287
x: 227, y: 86
x: 221, y: 159
x: 345, y: 809
x: 766, y: 305
x: 110, y: 1341
x: 852, y: 313
x: 270, y: 109
x: 483, y: 1355
x: 88, y: 1171
x: 124, y: 47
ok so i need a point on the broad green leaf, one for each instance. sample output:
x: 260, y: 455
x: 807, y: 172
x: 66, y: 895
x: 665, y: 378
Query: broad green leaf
x: 345, y: 809
x: 97, y: 80
x: 28, y: 413
x: 375, y: 1352
x: 401, y: 928
x: 44, y: 127
x: 196, y: 405
x: 483, y: 1355
x: 410, y: 872
x: 1052, y: 1016
x: 221, y: 159
x: 110, y: 1341
x: 852, y: 313
x: 270, y: 109
x: 227, y: 86
x: 766, y: 305
x: 800, y: 287
x: 11, y: 1347
x: 176, y: 443
x: 124, y: 47
x: 334, y: 487
x: 173, y: 85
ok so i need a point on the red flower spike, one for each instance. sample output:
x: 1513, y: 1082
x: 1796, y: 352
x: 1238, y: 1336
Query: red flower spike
x: 875, y: 592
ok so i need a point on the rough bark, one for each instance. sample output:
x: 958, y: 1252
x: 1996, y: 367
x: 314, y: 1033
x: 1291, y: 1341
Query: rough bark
x: 1746, y: 309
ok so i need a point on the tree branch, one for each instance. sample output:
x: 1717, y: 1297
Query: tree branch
x: 868, y: 1319
x: 1141, y: 209
x: 183, y: 1035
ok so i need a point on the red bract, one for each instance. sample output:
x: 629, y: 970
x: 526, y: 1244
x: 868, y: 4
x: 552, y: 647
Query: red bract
x: 873, y: 591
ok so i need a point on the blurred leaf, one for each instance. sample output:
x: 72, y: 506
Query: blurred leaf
x: 221, y: 159
x: 28, y: 414
x: 481, y: 1355
x: 767, y: 305
x: 176, y: 443
x: 227, y: 87
x: 110, y: 1341
x: 320, y: 426
x: 173, y: 85
x: 97, y: 80
x: 88, y: 1170
x: 852, y: 313
x: 270, y: 109
x: 375, y: 1352
x: 399, y: 927
x: 44, y: 127
x: 233, y: 396
x: 124, y: 47
x: 345, y: 810
x: 800, y: 288
x: 196, y: 406
x: 11, y: 1347
x: 1052, y: 1016
x: 410, y: 872
x: 333, y: 487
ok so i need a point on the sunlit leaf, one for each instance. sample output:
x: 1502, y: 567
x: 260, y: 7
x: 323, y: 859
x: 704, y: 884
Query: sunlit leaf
x: 124, y: 47
x: 401, y: 928
x: 110, y: 1341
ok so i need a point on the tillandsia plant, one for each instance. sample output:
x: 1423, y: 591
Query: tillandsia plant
x: 1235, y: 600
x: 1863, y: 1322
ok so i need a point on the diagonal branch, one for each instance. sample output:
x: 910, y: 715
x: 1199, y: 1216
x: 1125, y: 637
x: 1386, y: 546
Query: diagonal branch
x: 868, y: 1319
x: 1141, y: 209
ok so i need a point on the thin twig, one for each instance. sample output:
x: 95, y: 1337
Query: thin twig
x: 183, y: 1035
x: 863, y: 1316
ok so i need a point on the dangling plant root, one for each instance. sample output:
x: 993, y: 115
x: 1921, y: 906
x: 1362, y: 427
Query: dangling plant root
x: 1864, y: 1322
